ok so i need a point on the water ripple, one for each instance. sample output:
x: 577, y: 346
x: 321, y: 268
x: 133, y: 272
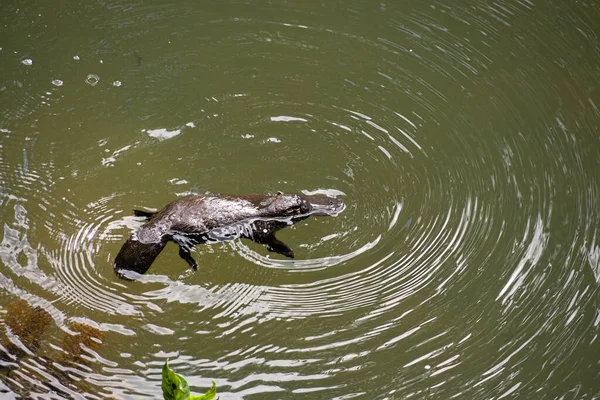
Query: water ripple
x: 464, y: 146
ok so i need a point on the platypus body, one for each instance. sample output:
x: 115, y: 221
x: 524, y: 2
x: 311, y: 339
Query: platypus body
x: 201, y: 219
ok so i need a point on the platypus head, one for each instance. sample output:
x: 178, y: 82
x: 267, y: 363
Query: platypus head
x: 322, y: 205
x: 283, y: 205
x: 137, y: 256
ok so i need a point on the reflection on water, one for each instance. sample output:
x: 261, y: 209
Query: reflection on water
x: 462, y: 136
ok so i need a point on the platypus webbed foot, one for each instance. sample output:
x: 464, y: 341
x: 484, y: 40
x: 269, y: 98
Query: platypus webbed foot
x: 277, y: 246
x: 185, y: 254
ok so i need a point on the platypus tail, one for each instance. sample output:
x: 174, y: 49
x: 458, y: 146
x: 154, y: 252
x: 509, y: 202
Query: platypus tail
x: 144, y: 214
x: 136, y: 256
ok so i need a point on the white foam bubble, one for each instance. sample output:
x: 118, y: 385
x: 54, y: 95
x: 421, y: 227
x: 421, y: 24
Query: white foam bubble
x: 92, y: 79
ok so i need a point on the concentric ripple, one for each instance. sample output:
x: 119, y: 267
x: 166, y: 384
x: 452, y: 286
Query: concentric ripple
x: 461, y: 136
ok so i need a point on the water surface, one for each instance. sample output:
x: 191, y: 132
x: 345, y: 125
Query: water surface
x: 462, y: 135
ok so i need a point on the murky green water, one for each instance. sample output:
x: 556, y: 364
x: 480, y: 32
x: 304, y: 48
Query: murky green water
x: 464, y: 137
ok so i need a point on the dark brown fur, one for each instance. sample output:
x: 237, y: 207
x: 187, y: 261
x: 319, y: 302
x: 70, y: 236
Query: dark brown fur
x: 209, y: 218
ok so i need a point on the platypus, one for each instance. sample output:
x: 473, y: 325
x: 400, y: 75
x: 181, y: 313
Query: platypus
x: 201, y: 219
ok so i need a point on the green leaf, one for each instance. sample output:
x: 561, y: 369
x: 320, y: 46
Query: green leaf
x: 210, y: 395
x: 174, y: 387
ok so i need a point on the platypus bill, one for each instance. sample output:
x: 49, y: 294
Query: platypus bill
x: 210, y: 218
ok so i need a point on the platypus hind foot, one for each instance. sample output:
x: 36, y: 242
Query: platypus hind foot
x: 185, y: 254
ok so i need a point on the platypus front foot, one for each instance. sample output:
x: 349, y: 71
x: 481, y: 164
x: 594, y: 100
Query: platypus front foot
x: 277, y: 246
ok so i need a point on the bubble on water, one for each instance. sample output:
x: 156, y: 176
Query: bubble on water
x: 92, y: 79
x: 57, y: 82
x: 117, y: 83
x: 27, y: 61
x: 76, y: 58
